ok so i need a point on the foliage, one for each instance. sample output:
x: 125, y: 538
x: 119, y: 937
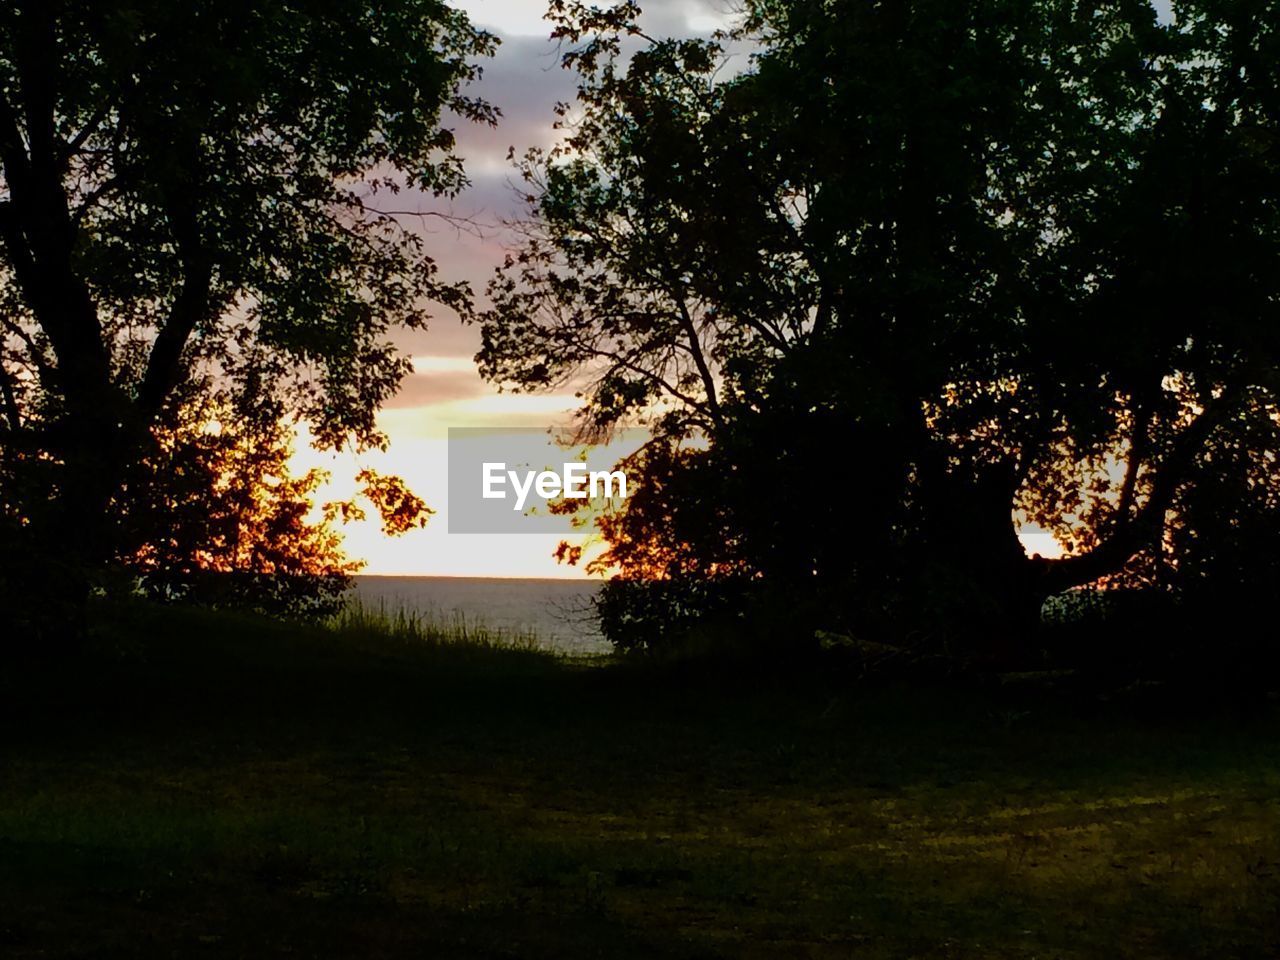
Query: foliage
x: 213, y: 516
x: 1014, y: 261
x: 199, y: 200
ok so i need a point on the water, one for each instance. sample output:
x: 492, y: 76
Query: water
x: 559, y: 612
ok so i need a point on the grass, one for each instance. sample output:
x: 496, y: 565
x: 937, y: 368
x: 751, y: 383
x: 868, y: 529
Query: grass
x: 447, y: 642
x: 219, y: 786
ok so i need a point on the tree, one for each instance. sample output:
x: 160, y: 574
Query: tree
x: 212, y: 515
x: 1015, y: 260
x: 197, y: 200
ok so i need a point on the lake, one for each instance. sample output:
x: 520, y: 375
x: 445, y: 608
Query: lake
x: 559, y: 612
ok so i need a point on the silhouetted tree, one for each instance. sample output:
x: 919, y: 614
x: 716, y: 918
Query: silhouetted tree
x: 197, y: 199
x: 979, y: 264
x: 212, y: 515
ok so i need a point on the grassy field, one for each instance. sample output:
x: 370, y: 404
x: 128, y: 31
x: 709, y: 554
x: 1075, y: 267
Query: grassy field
x: 223, y: 787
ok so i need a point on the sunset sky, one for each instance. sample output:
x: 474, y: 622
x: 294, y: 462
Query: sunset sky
x: 524, y: 81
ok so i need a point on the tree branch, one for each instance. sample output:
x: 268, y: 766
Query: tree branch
x: 189, y: 307
x: 1137, y: 450
x: 12, y: 413
x: 91, y: 125
x: 699, y: 358
x: 1137, y: 530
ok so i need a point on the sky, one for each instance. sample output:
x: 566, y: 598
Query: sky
x: 524, y: 80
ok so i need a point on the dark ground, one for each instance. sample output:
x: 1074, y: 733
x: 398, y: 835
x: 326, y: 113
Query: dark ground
x: 206, y: 786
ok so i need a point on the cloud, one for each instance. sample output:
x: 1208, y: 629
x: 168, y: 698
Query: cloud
x: 507, y: 18
x: 434, y: 411
x: 427, y: 390
x: 525, y: 81
x: 524, y: 18
x: 436, y: 364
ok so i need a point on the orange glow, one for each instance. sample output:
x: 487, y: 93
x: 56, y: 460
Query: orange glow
x: 418, y: 455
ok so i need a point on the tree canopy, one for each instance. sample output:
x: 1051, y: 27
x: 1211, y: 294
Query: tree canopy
x: 198, y: 205
x: 982, y: 264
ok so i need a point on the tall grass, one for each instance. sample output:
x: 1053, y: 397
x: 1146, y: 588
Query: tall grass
x: 363, y: 622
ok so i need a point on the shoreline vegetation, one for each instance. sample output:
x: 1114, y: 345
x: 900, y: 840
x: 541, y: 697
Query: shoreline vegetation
x: 386, y: 625
x: 215, y: 785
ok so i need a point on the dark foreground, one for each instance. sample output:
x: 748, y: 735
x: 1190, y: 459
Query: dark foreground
x: 215, y: 787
